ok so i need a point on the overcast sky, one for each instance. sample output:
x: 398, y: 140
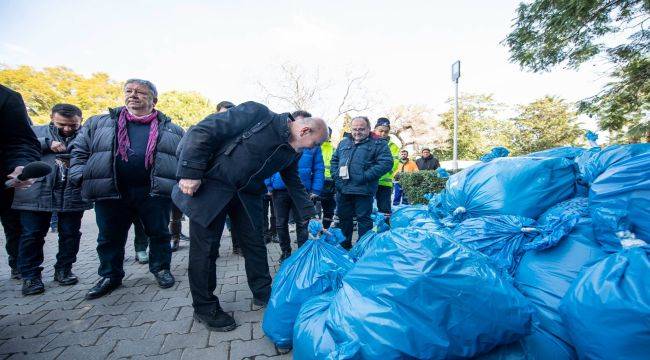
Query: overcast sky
x: 223, y: 48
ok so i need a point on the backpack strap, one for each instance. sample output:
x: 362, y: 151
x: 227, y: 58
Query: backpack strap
x: 227, y: 150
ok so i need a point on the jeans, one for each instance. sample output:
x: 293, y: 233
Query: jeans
x: 269, y: 225
x: 114, y: 220
x: 328, y: 203
x: 34, y: 227
x: 204, y: 248
x: 383, y: 196
x: 399, y: 196
x: 54, y: 223
x: 11, y: 225
x: 283, y: 205
x: 350, y: 206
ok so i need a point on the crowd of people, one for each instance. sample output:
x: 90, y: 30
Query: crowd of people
x: 244, y: 167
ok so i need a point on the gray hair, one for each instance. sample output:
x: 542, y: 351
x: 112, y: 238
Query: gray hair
x: 364, y: 118
x: 146, y: 83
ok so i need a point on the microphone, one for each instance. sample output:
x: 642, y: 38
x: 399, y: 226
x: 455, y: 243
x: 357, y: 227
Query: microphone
x: 32, y: 170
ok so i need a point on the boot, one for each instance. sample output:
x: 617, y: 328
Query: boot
x: 33, y: 286
x: 175, y: 230
x: 65, y: 277
x: 218, y: 320
x: 175, y: 242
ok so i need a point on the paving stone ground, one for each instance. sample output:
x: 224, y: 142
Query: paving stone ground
x: 138, y: 320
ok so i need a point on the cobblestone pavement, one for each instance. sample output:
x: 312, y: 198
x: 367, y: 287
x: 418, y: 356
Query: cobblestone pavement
x: 138, y: 320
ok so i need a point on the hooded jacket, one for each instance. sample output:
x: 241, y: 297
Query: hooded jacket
x: 310, y: 169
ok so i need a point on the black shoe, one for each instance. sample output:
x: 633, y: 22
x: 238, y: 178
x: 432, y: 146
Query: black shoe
x: 175, y: 243
x: 275, y: 239
x: 285, y: 255
x: 103, y: 287
x: 65, y: 277
x: 33, y: 286
x: 15, y: 274
x: 184, y: 237
x: 165, y: 279
x: 217, y: 321
x: 236, y: 251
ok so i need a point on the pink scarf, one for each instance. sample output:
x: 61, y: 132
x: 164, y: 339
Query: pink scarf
x: 123, y: 142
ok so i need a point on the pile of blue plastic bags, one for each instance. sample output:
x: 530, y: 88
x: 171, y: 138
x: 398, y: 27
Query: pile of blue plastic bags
x: 540, y: 256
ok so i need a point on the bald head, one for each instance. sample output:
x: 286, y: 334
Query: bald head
x: 307, y: 133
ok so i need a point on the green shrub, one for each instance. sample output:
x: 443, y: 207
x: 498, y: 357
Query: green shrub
x: 417, y: 184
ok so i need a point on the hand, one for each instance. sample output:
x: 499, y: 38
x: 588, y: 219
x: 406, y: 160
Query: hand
x: 313, y: 197
x: 18, y: 184
x: 57, y: 147
x: 189, y: 186
x: 269, y: 194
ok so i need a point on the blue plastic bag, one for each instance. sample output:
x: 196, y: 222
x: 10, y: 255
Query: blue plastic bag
x: 567, y: 152
x: 607, y: 309
x: 545, y: 275
x: 442, y: 173
x: 317, y: 267
x: 536, y: 346
x: 508, y: 186
x: 610, y: 156
x: 559, y: 221
x: 496, y: 152
x: 379, y: 226
x: 505, y: 238
x: 619, y: 201
x: 499, y: 237
x: 402, y: 216
x: 312, y: 334
x: 418, y: 294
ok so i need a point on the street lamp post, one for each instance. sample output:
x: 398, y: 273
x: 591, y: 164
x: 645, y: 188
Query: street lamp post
x: 455, y: 74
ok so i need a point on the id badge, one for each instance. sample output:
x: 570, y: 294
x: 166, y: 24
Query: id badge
x: 343, y: 172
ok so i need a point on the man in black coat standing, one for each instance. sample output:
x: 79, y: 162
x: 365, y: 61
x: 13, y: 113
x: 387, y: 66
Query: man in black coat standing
x: 18, y: 147
x: 427, y: 161
x: 52, y: 193
x: 222, y: 168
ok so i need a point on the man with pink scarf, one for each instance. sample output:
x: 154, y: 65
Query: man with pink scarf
x: 126, y: 161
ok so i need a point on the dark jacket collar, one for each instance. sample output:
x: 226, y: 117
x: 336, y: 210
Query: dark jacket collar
x: 281, y: 125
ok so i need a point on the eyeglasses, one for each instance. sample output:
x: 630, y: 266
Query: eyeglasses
x: 359, y: 130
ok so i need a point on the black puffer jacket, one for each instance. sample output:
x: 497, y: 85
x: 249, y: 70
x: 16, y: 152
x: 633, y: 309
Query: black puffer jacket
x: 52, y: 192
x: 93, y: 157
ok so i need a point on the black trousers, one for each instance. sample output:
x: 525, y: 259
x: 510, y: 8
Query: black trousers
x: 328, y: 203
x: 350, y: 206
x: 175, y: 224
x: 383, y: 197
x: 114, y: 218
x: 11, y: 225
x: 34, y: 228
x: 204, y: 246
x: 283, y: 207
